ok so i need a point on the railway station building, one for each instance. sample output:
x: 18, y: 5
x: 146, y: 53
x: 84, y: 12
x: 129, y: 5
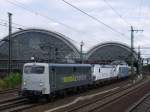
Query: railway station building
x: 110, y: 51
x: 49, y: 46
x: 41, y: 44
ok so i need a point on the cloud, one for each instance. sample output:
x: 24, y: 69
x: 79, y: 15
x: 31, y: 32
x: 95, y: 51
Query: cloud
x: 83, y: 27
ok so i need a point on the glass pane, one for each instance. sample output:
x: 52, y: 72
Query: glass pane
x: 34, y: 69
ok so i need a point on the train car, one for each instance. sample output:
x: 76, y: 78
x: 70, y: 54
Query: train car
x: 104, y: 72
x: 122, y: 71
x: 43, y: 79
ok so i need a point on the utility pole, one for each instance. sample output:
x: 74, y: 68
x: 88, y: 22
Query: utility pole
x: 10, y: 41
x: 132, y: 48
x: 81, y: 51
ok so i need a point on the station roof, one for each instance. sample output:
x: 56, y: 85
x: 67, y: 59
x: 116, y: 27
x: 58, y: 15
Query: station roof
x: 39, y: 43
x: 110, y: 51
x: 44, y: 44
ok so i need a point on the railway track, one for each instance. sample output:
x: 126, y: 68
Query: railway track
x: 143, y: 105
x: 101, y: 102
x: 16, y: 104
x: 9, y: 91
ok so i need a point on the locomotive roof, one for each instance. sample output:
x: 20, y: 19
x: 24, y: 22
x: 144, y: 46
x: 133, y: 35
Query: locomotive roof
x: 59, y: 64
x: 71, y: 65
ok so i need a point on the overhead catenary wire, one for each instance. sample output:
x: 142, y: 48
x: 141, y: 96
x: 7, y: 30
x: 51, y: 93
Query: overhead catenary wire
x: 94, y: 18
x: 35, y: 13
x: 6, y: 25
x: 19, y: 4
x: 144, y: 47
x: 145, y: 54
x: 45, y: 16
x: 120, y: 16
x: 18, y: 28
x: 27, y: 8
x: 14, y: 23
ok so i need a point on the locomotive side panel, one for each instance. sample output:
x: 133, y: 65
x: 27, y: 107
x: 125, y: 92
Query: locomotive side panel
x: 104, y: 72
x: 123, y: 71
x: 63, y: 77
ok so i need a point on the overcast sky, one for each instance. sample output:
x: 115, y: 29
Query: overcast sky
x: 48, y: 14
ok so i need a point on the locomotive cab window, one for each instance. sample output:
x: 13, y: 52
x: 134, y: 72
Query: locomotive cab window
x: 34, y: 69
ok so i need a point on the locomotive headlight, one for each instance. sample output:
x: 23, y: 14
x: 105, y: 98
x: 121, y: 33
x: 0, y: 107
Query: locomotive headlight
x: 24, y: 83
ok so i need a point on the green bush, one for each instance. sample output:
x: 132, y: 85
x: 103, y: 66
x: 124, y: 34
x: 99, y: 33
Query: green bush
x: 11, y: 81
x: 2, y: 84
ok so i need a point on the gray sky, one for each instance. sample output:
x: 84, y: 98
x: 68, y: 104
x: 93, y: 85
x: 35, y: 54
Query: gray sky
x: 48, y: 14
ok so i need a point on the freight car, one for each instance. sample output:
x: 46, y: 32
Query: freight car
x: 43, y: 79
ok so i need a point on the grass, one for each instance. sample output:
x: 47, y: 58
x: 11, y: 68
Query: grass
x: 11, y: 81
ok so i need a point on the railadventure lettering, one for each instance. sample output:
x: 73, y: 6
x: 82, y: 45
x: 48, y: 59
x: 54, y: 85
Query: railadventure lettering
x: 73, y: 78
